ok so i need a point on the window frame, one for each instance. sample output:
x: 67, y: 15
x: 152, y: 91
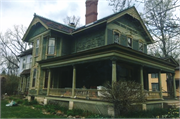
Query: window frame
x: 154, y: 75
x: 131, y: 39
x: 116, y: 32
x: 48, y: 46
x: 157, y: 84
x: 24, y: 63
x: 140, y: 42
x: 37, y: 47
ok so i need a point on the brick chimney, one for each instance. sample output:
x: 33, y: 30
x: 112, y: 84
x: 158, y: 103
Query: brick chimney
x: 91, y: 11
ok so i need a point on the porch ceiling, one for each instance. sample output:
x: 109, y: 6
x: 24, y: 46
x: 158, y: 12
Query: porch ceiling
x: 110, y: 52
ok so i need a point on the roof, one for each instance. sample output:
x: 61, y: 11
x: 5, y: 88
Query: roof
x: 26, y: 52
x: 50, y: 24
x: 26, y: 71
x: 55, y: 25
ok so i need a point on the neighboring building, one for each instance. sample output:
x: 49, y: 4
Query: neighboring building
x: 24, y: 71
x: 177, y: 78
x: 69, y: 64
x: 153, y: 82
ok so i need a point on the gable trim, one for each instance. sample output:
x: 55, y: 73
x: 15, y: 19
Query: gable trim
x: 137, y: 16
x: 33, y: 22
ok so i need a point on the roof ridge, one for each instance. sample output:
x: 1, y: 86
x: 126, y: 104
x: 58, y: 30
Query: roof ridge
x: 53, y: 21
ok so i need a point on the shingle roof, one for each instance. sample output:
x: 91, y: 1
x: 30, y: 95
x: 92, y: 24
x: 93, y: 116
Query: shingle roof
x: 61, y: 27
x: 55, y: 25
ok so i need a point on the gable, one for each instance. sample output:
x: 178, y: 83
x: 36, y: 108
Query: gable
x: 35, y: 30
x: 135, y: 20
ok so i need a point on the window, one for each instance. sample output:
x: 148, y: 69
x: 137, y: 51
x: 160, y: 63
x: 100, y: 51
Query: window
x: 34, y: 78
x: 177, y: 84
x: 37, y: 47
x: 51, y: 46
x: 30, y: 62
x: 129, y: 41
x: 46, y: 78
x: 116, y: 36
x: 154, y: 75
x: 155, y: 87
x: 141, y: 46
x: 24, y: 63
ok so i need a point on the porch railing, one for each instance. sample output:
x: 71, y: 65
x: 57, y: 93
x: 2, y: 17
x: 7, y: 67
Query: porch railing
x: 60, y: 92
x: 79, y: 93
x: 152, y: 95
x: 94, y: 93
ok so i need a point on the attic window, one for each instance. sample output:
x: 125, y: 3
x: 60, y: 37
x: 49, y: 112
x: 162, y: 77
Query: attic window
x: 129, y: 41
x: 116, y: 35
x: 141, y: 46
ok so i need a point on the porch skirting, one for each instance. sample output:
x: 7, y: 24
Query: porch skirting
x: 97, y: 107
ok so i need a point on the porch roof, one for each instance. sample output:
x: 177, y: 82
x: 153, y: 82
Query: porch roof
x: 111, y: 52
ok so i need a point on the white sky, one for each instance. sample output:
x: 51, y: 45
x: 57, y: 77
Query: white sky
x: 17, y: 12
x: 20, y: 12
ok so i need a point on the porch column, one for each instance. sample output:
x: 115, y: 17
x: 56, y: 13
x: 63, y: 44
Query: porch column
x: 141, y: 77
x: 74, y: 81
x: 174, y: 85
x: 49, y: 80
x: 114, y: 76
x: 160, y: 84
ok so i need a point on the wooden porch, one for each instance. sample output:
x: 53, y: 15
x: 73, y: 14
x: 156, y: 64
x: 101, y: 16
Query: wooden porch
x: 94, y: 94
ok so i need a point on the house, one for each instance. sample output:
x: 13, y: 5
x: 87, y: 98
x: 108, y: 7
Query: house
x: 68, y: 63
x: 177, y: 78
x: 24, y: 71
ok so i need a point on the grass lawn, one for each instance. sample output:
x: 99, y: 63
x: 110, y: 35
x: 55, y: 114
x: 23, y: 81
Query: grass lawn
x: 22, y: 112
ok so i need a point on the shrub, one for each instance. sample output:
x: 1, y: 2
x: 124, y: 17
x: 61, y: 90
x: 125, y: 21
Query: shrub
x: 172, y: 113
x: 10, y: 84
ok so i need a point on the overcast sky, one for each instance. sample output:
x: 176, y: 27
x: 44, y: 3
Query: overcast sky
x: 17, y: 12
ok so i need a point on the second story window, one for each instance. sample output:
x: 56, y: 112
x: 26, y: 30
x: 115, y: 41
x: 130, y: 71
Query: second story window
x: 51, y: 46
x: 129, y: 42
x: 24, y: 63
x: 141, y: 46
x: 37, y: 47
x: 116, y: 36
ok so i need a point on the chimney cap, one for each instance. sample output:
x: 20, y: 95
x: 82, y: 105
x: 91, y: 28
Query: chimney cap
x: 72, y: 24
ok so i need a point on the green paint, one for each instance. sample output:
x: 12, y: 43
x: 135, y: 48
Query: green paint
x: 35, y: 30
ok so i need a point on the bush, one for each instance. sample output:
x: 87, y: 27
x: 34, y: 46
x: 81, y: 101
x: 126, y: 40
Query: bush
x: 173, y: 113
x: 10, y: 85
x: 146, y: 113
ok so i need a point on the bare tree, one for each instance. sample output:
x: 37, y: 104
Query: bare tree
x: 119, y: 5
x: 123, y: 94
x: 11, y: 46
x: 72, y: 21
x: 164, y: 26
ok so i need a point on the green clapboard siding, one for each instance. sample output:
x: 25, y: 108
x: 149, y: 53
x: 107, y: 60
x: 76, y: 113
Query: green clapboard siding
x: 44, y: 48
x: 123, y: 40
x: 145, y: 48
x: 110, y: 36
x: 35, y: 30
x: 135, y: 44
